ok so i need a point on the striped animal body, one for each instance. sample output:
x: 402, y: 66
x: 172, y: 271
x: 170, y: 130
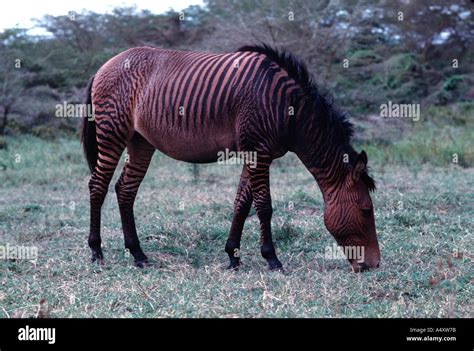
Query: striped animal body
x: 194, y: 106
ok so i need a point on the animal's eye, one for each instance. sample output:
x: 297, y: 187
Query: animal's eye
x: 367, y: 211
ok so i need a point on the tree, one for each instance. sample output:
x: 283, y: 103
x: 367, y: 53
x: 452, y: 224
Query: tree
x: 13, y: 75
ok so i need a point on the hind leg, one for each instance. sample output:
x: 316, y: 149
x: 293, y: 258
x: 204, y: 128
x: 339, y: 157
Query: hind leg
x: 140, y: 153
x: 110, y: 147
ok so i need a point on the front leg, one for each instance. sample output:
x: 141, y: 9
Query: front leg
x: 242, y: 204
x: 260, y: 185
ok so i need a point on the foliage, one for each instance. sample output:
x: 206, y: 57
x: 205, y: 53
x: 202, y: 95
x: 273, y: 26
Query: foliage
x: 389, y: 59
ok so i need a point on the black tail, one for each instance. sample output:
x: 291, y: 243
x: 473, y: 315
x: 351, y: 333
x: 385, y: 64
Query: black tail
x: 88, y: 136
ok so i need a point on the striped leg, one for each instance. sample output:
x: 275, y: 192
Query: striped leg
x: 140, y: 153
x: 110, y: 148
x: 242, y: 204
x: 260, y: 185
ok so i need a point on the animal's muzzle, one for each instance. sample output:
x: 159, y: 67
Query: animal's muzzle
x: 363, y: 266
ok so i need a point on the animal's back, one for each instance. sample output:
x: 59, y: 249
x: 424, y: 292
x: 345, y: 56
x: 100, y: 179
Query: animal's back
x: 177, y: 98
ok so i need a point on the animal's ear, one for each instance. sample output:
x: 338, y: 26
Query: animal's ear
x: 360, y: 166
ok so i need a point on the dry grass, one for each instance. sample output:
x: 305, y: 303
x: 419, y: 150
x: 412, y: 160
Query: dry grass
x: 422, y: 218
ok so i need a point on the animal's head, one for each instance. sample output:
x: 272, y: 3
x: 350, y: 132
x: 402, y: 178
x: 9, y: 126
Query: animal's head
x: 349, y: 217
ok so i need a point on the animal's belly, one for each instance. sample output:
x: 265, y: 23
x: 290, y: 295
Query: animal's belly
x: 195, y: 147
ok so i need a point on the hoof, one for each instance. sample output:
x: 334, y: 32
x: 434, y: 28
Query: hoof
x: 275, y: 265
x: 235, y: 264
x: 143, y: 263
x: 234, y: 267
x: 97, y: 258
x: 99, y: 261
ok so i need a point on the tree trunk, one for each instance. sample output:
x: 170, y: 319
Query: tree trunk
x: 6, y: 111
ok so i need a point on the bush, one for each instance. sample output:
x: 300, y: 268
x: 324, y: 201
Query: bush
x: 364, y: 57
x: 3, y: 144
x: 15, y: 127
x: 54, y: 129
x: 45, y: 132
x: 460, y: 114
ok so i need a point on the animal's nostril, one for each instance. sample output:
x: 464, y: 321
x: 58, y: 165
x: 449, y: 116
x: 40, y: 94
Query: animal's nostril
x: 378, y: 265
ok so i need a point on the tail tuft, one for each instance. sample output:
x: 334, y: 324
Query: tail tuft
x: 88, y: 135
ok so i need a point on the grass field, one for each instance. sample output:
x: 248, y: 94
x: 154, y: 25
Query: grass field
x: 424, y: 217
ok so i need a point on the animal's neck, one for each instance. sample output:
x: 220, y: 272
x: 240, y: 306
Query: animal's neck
x: 329, y: 168
x: 324, y: 155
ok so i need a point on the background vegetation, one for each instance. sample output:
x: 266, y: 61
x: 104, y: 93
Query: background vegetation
x: 365, y: 52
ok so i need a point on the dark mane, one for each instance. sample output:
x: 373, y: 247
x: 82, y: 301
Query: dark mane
x: 295, y: 67
x: 319, y: 103
x: 369, y: 181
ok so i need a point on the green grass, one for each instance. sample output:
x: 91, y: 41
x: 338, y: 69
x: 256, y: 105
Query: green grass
x: 435, y: 146
x: 424, y: 213
x: 442, y: 137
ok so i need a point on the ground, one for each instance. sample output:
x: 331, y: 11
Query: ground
x: 424, y: 219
